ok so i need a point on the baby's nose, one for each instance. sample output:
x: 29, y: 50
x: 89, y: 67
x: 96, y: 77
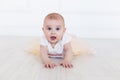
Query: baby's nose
x: 53, y: 31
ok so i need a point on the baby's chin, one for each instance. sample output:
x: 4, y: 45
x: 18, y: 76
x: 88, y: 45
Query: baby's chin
x: 53, y: 42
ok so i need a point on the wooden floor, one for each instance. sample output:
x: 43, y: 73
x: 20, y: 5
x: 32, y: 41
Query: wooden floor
x: 17, y: 64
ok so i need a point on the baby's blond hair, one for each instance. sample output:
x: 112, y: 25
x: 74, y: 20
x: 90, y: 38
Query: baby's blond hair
x: 55, y: 16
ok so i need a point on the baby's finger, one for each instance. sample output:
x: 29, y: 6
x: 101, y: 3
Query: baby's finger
x: 50, y: 66
x: 61, y: 64
x: 46, y: 65
x: 70, y: 65
x: 66, y: 65
x: 54, y: 65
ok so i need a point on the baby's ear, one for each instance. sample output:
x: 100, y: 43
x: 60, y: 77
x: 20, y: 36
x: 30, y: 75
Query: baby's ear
x: 42, y: 28
x: 64, y: 29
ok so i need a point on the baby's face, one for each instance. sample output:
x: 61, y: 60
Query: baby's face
x: 53, y: 30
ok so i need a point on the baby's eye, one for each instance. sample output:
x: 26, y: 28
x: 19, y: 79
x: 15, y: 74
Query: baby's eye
x: 49, y: 28
x: 57, y: 28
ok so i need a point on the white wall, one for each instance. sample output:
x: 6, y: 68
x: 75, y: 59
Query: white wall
x: 84, y: 18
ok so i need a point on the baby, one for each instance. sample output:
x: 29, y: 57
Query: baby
x: 55, y: 43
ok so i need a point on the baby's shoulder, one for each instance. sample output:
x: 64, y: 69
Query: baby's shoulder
x: 66, y: 38
x: 43, y: 41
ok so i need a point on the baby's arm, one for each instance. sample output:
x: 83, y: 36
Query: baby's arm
x: 67, y: 56
x: 44, y: 56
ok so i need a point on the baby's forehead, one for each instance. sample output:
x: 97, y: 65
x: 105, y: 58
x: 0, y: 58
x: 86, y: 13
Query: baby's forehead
x: 53, y: 26
x: 53, y: 21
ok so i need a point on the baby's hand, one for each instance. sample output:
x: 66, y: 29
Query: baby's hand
x: 49, y: 64
x: 66, y: 64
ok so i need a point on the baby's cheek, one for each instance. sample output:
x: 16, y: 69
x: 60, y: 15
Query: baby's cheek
x: 48, y: 33
x: 60, y: 37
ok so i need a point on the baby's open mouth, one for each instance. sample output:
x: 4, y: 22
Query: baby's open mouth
x: 52, y: 37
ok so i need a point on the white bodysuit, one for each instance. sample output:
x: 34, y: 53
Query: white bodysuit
x: 58, y: 50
